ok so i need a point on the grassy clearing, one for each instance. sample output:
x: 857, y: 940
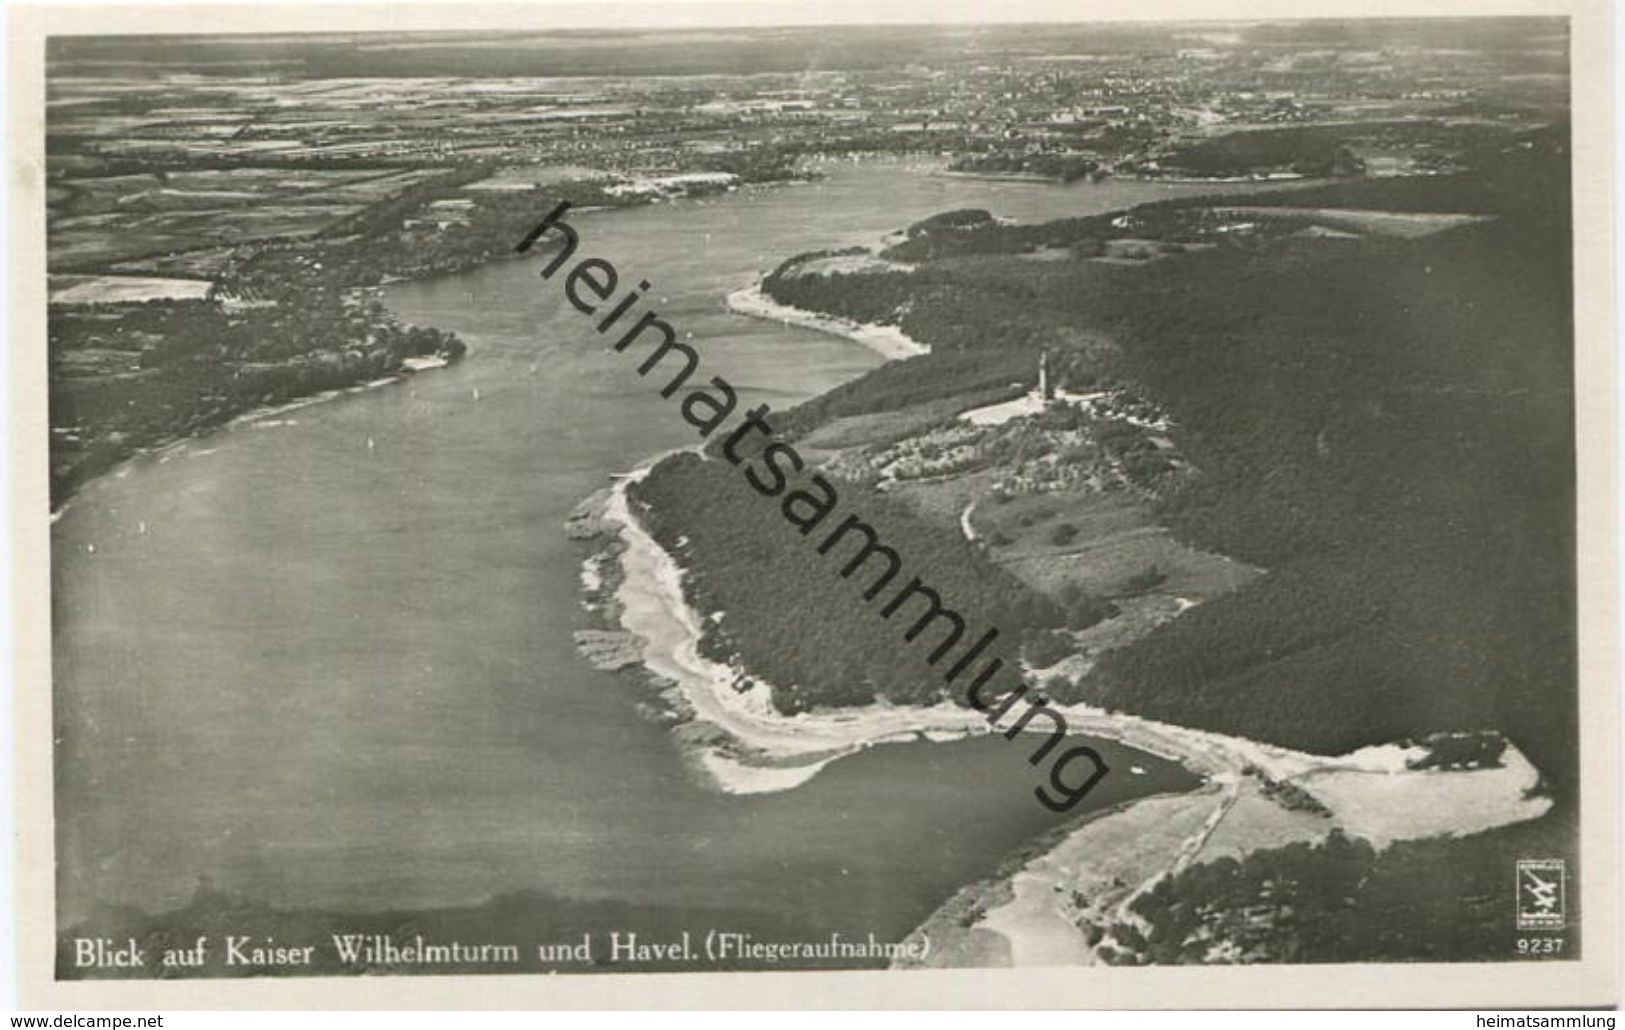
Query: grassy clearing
x: 1408, y: 225
x: 1113, y: 548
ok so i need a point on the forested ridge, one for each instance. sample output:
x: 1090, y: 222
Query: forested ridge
x: 1382, y: 420
x: 1386, y: 424
x: 789, y: 616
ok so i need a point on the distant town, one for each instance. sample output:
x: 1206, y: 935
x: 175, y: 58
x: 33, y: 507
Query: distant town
x: 169, y: 174
x: 223, y: 187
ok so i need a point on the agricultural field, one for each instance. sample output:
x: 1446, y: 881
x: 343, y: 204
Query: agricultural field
x: 123, y: 289
x: 139, y: 222
x: 1109, y: 544
x: 528, y: 177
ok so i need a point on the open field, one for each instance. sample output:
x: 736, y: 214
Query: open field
x: 524, y: 177
x: 120, y: 218
x: 1112, y: 548
x: 1402, y: 224
x: 123, y: 289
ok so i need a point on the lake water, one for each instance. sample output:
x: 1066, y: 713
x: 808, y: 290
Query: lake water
x: 325, y: 658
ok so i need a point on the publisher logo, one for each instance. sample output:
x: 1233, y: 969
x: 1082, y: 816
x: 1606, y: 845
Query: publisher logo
x: 1542, y: 902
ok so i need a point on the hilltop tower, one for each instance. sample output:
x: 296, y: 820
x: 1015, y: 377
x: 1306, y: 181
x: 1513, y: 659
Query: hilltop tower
x: 1046, y: 392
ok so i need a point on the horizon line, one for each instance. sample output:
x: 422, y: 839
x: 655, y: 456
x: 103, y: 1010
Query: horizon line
x: 280, y: 17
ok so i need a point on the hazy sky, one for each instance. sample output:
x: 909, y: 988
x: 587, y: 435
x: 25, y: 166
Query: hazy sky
x: 543, y: 14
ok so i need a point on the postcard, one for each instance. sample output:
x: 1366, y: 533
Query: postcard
x: 890, y: 510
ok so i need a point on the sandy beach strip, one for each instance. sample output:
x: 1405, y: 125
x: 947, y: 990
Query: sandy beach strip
x: 888, y: 341
x: 765, y: 750
x: 653, y: 607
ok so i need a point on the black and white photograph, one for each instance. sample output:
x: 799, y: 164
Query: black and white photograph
x: 751, y: 496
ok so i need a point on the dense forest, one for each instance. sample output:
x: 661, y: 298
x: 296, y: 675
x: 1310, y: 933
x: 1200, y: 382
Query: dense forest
x: 1382, y: 421
x: 1314, y: 150
x: 1325, y: 149
x: 1385, y: 423
x: 792, y: 619
x: 1388, y: 427
x: 1062, y: 167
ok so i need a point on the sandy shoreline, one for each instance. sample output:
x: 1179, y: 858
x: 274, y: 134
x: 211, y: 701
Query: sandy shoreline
x: 772, y: 751
x: 888, y: 341
x: 1026, y: 177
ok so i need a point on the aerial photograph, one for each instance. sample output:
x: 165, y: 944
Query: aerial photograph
x: 726, y: 499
